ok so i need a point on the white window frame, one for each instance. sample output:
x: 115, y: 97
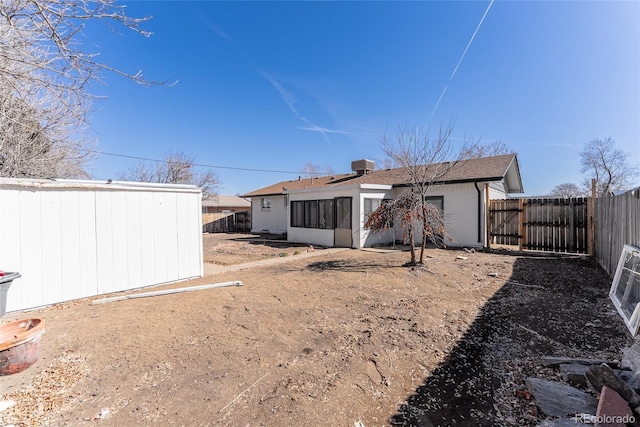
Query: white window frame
x: 628, y: 271
x: 370, y: 206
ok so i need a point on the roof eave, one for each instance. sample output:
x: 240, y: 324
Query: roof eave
x: 457, y: 181
x: 514, y: 168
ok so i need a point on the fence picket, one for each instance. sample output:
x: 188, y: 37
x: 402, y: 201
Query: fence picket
x: 617, y: 222
x: 562, y: 225
x: 544, y: 224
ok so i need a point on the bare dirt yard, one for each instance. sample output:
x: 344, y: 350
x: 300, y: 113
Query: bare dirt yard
x: 352, y: 338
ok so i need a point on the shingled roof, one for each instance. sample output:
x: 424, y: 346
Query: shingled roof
x: 473, y: 170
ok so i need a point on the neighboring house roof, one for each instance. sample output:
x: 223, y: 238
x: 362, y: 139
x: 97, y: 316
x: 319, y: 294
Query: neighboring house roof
x: 226, y: 201
x: 494, y: 168
x: 628, y: 190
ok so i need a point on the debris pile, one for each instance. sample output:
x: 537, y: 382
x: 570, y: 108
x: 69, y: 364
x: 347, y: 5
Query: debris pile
x: 600, y: 392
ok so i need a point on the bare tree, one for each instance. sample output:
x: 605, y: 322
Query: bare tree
x: 567, y: 190
x: 30, y: 150
x: 425, y: 161
x: 384, y: 163
x: 409, y: 208
x: 45, y: 73
x: 176, y: 168
x: 608, y: 165
x: 495, y: 148
x: 310, y: 170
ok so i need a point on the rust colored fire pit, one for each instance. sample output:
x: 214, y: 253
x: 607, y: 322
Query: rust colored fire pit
x: 19, y: 345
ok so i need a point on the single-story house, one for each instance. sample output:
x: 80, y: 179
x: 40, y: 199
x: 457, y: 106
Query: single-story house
x: 331, y: 210
x: 225, y: 204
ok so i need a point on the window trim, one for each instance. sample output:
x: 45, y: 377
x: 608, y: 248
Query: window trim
x: 301, y: 207
x: 299, y: 204
x: 265, y: 203
x: 365, y: 213
x: 430, y: 199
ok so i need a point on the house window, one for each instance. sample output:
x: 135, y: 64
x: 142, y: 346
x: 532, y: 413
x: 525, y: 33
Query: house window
x: 266, y: 203
x: 297, y: 214
x: 437, y: 201
x: 312, y: 214
x: 325, y: 213
x: 370, y: 205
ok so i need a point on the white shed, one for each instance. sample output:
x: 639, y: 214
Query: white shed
x: 71, y: 239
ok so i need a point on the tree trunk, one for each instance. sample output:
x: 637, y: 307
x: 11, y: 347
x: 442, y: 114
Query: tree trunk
x: 424, y: 230
x: 411, y: 243
x: 424, y: 245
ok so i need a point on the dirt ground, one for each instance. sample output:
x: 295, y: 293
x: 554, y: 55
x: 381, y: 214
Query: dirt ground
x: 338, y: 339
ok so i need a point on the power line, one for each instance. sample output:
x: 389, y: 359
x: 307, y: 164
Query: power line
x: 202, y: 165
x: 34, y: 128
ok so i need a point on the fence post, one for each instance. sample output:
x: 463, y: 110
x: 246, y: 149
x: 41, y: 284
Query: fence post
x: 522, y: 216
x: 591, y: 214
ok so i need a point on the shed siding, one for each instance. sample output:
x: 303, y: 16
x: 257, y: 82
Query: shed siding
x: 72, y: 242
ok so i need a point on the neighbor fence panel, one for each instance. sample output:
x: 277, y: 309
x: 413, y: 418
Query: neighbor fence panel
x: 557, y: 225
x: 542, y: 224
x: 226, y: 222
x: 617, y: 222
x: 504, y: 218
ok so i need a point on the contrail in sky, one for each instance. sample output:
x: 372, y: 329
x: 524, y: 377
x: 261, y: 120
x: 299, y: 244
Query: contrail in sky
x: 289, y: 98
x: 462, y: 57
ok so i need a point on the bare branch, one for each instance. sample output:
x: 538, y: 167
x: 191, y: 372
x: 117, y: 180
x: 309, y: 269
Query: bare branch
x: 44, y: 76
x: 426, y: 161
x: 176, y: 168
x: 491, y: 149
x: 310, y: 170
x: 608, y: 165
x: 568, y: 190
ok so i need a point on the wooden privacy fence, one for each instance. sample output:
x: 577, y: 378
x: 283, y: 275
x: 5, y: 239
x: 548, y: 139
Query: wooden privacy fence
x: 226, y: 222
x: 542, y: 224
x: 617, y: 224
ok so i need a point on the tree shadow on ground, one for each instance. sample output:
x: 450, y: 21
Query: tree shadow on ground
x: 346, y: 266
x: 555, y: 307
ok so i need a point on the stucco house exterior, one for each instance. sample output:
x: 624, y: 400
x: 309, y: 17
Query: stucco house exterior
x: 331, y: 210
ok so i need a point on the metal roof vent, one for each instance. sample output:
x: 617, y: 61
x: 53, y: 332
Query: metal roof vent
x: 362, y: 167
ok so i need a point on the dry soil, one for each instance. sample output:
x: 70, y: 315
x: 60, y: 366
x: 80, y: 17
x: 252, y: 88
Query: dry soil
x: 335, y: 339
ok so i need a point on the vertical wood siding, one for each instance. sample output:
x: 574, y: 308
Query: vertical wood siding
x: 70, y: 243
x: 617, y: 223
x: 543, y: 224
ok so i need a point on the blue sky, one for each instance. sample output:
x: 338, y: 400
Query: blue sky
x: 276, y: 85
